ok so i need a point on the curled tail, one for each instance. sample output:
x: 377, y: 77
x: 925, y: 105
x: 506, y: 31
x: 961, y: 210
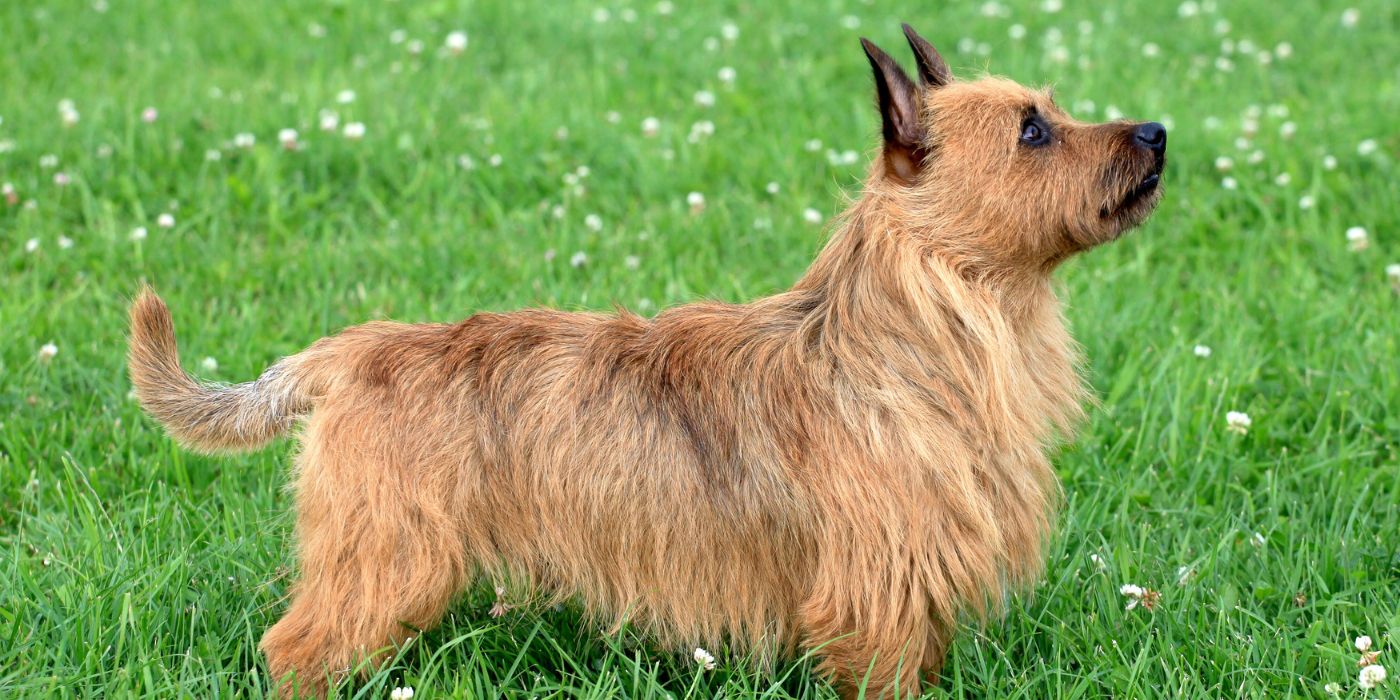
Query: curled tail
x: 203, y: 416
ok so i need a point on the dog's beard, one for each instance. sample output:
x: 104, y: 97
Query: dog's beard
x: 1133, y: 188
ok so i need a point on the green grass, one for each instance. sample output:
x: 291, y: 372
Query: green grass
x: 129, y: 567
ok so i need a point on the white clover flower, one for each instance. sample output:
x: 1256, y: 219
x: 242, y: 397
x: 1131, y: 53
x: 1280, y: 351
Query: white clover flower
x: 665, y: 7
x: 244, y: 140
x: 495, y: 160
x: 69, y: 116
x: 1367, y: 147
x: 31, y: 245
x: 1287, y: 129
x: 165, y: 220
x: 1306, y: 202
x: 47, y: 352
x: 593, y: 222
x: 704, y: 658
x: 1201, y: 351
x: 1256, y: 157
x: 1224, y: 163
x: 701, y: 130
x: 1112, y: 113
x: 1283, y: 51
x: 329, y: 121
x: 7, y: 145
x: 1229, y: 183
x: 138, y: 233
x: 601, y: 15
x: 213, y: 154
x: 772, y: 188
x: 1221, y: 26
x: 48, y: 161
x: 696, y: 202
x: 727, y: 74
x: 1237, y: 422
x: 1016, y: 31
x: 705, y: 98
x: 1363, y: 644
x: 729, y: 30
x: 61, y: 179
x: 1329, y: 162
x: 812, y: 216
x: 1098, y: 562
x: 579, y: 259
x: 288, y: 139
x: 345, y: 97
x: 1282, y: 179
x: 1224, y: 65
x: 632, y: 262
x: 404, y: 693
x: 354, y: 131
x: 1130, y: 590
x: 850, y: 22
x: 209, y: 364
x: 1151, y: 50
x: 397, y: 36
x: 1350, y: 17
x: 150, y: 115
x: 1393, y: 272
x: 1052, y: 6
x: 65, y: 242
x: 1371, y: 676
x: 1257, y: 539
x: 628, y: 15
x: 456, y: 42
x: 1332, y: 689
x: 613, y: 117
x: 1357, y: 239
x: 1190, y: 8
x: 651, y: 126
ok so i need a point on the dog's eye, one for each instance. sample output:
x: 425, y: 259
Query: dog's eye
x: 1034, y: 133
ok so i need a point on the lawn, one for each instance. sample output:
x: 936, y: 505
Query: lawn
x: 551, y: 161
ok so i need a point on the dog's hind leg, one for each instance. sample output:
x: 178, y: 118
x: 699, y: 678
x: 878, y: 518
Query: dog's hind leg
x: 380, y: 556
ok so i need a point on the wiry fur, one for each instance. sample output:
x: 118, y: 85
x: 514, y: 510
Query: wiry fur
x: 854, y: 464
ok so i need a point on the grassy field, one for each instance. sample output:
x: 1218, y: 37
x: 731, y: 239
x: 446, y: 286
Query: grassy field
x: 523, y: 170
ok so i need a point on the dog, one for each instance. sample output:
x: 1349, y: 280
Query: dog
x: 852, y: 467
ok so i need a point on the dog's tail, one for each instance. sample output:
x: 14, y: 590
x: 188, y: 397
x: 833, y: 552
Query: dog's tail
x: 202, y: 416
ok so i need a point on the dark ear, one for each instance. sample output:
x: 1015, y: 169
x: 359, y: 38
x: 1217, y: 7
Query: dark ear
x: 933, y: 71
x: 899, y: 113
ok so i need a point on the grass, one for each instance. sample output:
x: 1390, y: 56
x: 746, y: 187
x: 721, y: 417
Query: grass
x: 130, y: 568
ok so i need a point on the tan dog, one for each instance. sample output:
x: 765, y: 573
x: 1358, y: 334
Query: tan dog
x: 850, y: 466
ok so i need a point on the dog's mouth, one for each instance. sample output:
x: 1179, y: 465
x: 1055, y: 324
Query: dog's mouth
x: 1147, y: 186
x: 1139, y: 197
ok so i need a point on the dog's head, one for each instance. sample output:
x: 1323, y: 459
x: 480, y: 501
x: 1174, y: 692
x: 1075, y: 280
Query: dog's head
x: 999, y: 172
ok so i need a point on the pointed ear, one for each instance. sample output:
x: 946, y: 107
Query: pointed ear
x: 899, y: 113
x: 933, y: 71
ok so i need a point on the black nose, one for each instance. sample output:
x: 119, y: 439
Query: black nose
x: 1151, y: 135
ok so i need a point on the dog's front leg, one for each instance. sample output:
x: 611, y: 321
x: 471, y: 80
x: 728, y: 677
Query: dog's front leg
x: 868, y: 618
